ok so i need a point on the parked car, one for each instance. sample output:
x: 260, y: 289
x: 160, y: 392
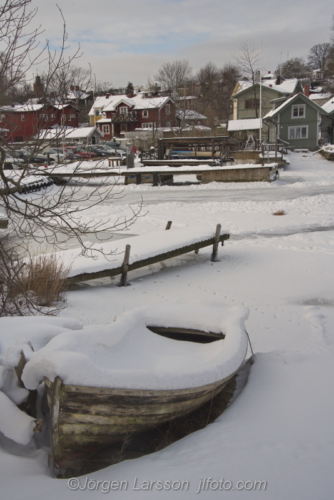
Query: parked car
x: 30, y: 156
x: 85, y: 153
x: 11, y: 162
x: 55, y: 155
x: 99, y: 151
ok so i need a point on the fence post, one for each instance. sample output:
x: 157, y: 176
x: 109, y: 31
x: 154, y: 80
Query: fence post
x: 125, y: 265
x: 216, y: 243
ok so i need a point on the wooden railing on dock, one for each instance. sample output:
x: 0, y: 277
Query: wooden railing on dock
x: 127, y: 266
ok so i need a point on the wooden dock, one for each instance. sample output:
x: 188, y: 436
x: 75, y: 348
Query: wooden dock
x: 176, y: 243
x: 160, y: 175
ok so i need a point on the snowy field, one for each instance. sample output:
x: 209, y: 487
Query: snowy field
x: 276, y: 441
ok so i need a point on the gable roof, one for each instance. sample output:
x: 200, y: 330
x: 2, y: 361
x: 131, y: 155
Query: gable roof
x: 290, y: 101
x: 136, y: 102
x: 329, y: 106
x: 68, y: 133
x: 286, y: 87
x: 190, y: 114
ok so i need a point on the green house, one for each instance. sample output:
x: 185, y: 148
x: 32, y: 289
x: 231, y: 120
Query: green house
x: 297, y: 121
x: 251, y: 101
x: 328, y: 122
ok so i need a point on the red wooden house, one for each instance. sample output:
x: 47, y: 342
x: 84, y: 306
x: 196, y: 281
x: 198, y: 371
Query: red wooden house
x: 24, y: 122
x: 116, y: 114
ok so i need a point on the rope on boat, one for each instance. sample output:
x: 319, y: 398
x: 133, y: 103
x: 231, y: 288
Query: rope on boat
x: 250, y: 344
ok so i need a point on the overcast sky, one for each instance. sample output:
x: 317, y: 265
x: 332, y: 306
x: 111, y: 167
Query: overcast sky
x: 128, y: 40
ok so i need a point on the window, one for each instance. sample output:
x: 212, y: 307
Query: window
x: 43, y: 116
x: 298, y: 111
x: 105, y: 129
x: 123, y: 110
x: 167, y: 125
x: 97, y: 112
x: 252, y: 103
x: 147, y: 125
x: 298, y: 132
x: 145, y: 113
x: 167, y: 109
x: 23, y: 118
x: 52, y: 117
x: 72, y: 117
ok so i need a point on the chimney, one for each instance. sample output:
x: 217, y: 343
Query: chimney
x: 131, y: 94
x: 307, y: 90
x: 38, y: 87
x: 107, y: 96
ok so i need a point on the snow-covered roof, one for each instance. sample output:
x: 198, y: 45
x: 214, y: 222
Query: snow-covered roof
x: 22, y: 108
x: 277, y: 110
x: 187, y: 97
x: 250, y: 124
x: 329, y: 106
x: 103, y: 120
x: 80, y: 133
x: 286, y: 87
x: 69, y: 133
x: 302, y: 96
x: 77, y: 94
x: 190, y: 114
x: 319, y: 96
x: 62, y: 106
x: 136, y: 102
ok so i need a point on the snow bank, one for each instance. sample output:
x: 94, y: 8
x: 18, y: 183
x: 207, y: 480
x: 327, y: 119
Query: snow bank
x: 37, y: 330
x: 14, y: 423
x: 126, y: 354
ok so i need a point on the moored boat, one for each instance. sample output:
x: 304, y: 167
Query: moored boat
x: 141, y: 371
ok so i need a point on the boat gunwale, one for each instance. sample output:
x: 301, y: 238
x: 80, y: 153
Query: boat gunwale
x: 74, y: 388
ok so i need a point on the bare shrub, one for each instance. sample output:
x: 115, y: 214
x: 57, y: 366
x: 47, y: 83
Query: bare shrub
x: 45, y: 277
x: 35, y: 286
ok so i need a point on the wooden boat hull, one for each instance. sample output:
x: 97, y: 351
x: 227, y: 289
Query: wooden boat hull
x: 86, y: 419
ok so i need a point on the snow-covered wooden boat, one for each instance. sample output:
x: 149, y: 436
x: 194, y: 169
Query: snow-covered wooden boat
x: 162, y: 371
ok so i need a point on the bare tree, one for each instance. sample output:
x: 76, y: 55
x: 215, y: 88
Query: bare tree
x: 173, y: 77
x: 318, y: 56
x: 293, y: 68
x: 50, y: 217
x: 215, y: 87
x: 248, y: 60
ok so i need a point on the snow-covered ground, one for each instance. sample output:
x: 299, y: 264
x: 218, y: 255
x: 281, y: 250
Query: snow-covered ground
x: 276, y: 441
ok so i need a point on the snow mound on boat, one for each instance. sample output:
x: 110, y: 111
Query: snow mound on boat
x: 126, y: 354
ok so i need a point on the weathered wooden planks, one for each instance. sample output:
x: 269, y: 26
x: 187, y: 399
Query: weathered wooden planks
x: 84, y: 419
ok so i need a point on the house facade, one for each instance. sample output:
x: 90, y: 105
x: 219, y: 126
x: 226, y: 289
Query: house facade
x: 297, y: 121
x: 24, y: 122
x: 117, y: 114
x: 328, y: 122
x: 251, y: 101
